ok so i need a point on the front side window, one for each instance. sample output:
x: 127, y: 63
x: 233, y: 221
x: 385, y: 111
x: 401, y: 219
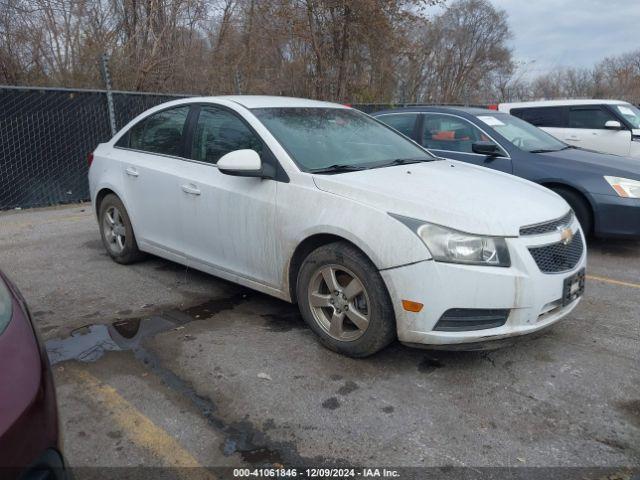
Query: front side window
x: 630, y: 113
x: 522, y: 134
x: 552, y: 117
x: 590, y: 117
x: 403, y: 122
x: 6, y: 306
x: 160, y: 132
x: 453, y: 134
x: 320, y: 138
x: 219, y: 132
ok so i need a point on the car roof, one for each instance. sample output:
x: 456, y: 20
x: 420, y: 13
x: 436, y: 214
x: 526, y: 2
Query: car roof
x: 439, y: 108
x: 560, y: 103
x: 271, y: 101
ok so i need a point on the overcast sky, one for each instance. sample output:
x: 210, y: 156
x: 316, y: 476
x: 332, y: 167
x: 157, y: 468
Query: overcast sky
x: 575, y: 33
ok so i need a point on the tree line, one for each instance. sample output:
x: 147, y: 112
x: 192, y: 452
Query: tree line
x: 342, y: 50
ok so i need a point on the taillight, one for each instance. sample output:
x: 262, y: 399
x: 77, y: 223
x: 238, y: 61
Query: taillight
x: 492, y: 107
x: 90, y: 158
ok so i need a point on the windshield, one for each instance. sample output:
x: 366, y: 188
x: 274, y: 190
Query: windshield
x: 630, y: 113
x: 337, y: 139
x: 5, y: 306
x: 522, y: 134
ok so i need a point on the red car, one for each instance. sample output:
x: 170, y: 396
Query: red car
x: 30, y: 444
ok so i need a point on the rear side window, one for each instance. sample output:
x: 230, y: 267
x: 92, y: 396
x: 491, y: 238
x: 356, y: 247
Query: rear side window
x: 160, y: 132
x: 6, y: 306
x: 552, y: 117
x: 219, y: 132
x: 589, y: 117
x: 402, y: 122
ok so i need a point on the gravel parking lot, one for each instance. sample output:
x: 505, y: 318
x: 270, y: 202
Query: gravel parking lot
x: 160, y: 365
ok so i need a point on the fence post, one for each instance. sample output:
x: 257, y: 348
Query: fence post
x: 104, y: 69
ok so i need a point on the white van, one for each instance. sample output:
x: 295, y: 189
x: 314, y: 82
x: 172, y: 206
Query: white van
x: 607, y: 126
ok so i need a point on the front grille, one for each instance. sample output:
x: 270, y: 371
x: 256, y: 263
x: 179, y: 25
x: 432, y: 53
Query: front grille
x: 467, y: 319
x: 558, y: 257
x: 547, y: 227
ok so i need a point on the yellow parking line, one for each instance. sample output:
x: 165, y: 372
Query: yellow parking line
x: 142, y: 431
x: 613, y: 281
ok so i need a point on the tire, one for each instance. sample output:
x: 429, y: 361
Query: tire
x: 116, y: 231
x: 322, y: 308
x: 580, y: 207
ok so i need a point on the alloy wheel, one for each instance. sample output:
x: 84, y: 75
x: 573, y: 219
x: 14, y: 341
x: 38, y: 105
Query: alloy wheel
x: 339, y: 302
x: 114, y: 229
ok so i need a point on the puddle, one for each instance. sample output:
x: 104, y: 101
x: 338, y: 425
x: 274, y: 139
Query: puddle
x: 91, y: 342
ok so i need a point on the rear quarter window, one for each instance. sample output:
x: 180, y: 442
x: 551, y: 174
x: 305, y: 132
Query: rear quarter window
x: 553, y: 117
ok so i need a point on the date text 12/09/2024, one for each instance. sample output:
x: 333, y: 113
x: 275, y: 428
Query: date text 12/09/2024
x: 316, y: 473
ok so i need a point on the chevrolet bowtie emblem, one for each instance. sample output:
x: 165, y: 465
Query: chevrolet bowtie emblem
x: 566, y: 235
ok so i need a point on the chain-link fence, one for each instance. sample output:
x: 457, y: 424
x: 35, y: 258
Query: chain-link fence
x: 46, y: 135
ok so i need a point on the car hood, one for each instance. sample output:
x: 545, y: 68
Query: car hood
x: 600, y: 163
x: 450, y: 193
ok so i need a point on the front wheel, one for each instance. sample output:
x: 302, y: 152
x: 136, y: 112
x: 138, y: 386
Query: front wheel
x: 579, y: 206
x: 342, y: 297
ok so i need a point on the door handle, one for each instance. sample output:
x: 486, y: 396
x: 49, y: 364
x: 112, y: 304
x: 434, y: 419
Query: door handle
x: 572, y: 139
x: 131, y: 172
x: 190, y: 189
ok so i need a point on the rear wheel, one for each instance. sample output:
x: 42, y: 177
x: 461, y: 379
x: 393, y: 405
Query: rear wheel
x: 344, y: 300
x: 116, y: 231
x: 579, y: 205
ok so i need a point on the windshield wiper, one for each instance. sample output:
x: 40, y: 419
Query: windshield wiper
x: 545, y: 150
x: 402, y: 161
x: 337, y: 169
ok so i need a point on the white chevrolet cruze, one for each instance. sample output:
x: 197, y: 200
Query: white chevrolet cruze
x: 319, y: 204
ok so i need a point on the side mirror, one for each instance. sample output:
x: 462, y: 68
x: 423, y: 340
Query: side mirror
x: 486, y: 148
x: 242, y: 163
x: 613, y: 125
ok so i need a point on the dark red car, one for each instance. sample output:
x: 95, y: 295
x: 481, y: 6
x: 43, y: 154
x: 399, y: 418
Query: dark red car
x: 30, y: 445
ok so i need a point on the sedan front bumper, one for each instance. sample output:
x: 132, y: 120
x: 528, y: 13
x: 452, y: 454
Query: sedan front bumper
x: 616, y: 216
x: 534, y: 299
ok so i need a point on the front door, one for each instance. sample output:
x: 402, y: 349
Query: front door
x: 229, y: 222
x: 451, y: 136
x: 587, y: 130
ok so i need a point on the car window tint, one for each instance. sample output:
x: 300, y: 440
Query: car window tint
x: 541, y: 116
x: 5, y: 306
x: 160, y: 132
x: 593, y: 118
x: 219, y: 132
x: 444, y: 132
x: 404, y: 123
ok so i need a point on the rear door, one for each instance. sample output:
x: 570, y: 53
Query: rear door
x: 150, y: 157
x: 587, y: 130
x: 451, y: 136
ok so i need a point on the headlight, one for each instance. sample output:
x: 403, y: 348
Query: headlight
x: 452, y: 246
x: 457, y: 247
x: 624, y: 187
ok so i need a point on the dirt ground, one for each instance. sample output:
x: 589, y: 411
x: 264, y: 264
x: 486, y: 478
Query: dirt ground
x: 160, y: 365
